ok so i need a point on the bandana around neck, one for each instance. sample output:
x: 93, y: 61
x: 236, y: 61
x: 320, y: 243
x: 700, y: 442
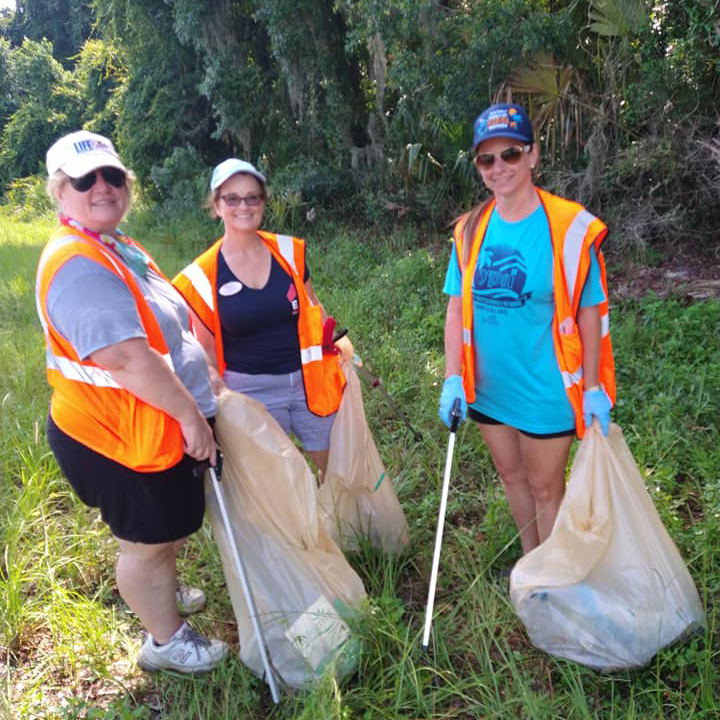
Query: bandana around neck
x: 137, y: 260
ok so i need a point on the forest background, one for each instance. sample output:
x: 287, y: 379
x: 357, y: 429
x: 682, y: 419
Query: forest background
x: 364, y: 108
x: 360, y: 113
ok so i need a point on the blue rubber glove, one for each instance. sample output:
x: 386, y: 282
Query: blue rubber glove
x: 596, y: 403
x: 452, y: 389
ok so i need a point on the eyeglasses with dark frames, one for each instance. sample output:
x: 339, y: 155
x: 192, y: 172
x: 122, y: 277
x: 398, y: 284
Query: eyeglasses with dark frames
x: 111, y: 175
x: 510, y: 155
x: 235, y: 200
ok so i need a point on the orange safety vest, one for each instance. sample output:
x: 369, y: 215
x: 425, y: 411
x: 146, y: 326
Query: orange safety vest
x: 572, y: 231
x: 87, y: 404
x: 322, y: 376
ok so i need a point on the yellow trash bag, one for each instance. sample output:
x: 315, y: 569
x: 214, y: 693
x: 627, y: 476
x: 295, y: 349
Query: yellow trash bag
x: 304, y: 589
x: 357, y: 494
x: 608, y: 588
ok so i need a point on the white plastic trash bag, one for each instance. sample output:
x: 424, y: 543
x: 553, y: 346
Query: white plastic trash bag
x: 608, y: 588
x: 304, y: 589
x: 357, y: 494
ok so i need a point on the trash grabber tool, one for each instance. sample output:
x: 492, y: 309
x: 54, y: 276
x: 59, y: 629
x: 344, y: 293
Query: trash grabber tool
x: 455, y: 415
x: 376, y: 382
x: 240, y: 567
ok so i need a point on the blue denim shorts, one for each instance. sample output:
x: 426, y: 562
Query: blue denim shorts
x: 284, y: 397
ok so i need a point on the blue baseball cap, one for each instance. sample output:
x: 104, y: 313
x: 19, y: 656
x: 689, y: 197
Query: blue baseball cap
x: 503, y: 120
x: 232, y: 166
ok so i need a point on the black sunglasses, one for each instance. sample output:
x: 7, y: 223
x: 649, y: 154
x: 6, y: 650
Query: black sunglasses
x: 510, y: 155
x: 112, y: 176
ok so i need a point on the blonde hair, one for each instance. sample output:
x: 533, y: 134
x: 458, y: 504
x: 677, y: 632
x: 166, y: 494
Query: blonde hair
x: 59, y: 178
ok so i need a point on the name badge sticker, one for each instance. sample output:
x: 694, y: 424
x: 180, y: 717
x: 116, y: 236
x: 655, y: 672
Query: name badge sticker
x: 230, y: 288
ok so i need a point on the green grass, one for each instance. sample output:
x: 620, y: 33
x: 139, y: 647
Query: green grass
x: 68, y: 641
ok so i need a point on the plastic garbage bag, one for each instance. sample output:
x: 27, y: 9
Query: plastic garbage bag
x: 304, y: 589
x: 357, y: 494
x: 608, y: 588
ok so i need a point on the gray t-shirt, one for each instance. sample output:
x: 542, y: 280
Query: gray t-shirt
x: 92, y: 308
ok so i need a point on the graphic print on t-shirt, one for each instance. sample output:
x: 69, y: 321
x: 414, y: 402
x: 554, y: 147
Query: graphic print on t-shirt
x: 500, y: 277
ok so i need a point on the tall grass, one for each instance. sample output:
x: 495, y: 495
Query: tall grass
x: 68, y: 641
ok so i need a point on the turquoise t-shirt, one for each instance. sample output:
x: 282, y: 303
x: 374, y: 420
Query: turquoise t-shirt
x: 519, y: 380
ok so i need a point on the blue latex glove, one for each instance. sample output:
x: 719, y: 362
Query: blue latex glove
x: 452, y: 389
x: 596, y: 403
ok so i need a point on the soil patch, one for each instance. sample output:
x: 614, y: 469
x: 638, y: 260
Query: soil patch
x: 684, y: 276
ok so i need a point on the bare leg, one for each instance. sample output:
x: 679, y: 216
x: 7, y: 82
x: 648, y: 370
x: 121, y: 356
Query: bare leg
x: 545, y: 461
x: 320, y: 458
x: 147, y: 581
x: 504, y: 445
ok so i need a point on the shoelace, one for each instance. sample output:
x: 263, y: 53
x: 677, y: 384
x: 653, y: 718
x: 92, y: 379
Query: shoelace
x: 195, y: 639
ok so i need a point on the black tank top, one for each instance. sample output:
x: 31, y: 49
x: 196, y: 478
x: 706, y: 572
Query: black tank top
x: 259, y: 327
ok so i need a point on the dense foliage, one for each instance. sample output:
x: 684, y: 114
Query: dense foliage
x: 366, y: 106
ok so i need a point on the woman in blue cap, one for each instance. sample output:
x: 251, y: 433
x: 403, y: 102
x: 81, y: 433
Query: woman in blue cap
x: 527, y: 345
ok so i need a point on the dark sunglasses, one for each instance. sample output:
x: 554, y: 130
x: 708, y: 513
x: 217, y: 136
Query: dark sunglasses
x: 236, y: 200
x: 112, y: 176
x: 510, y: 155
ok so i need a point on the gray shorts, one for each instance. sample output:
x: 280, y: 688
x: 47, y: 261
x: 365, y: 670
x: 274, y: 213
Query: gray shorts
x: 284, y: 398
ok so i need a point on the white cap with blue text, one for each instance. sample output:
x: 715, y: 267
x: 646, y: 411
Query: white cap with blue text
x: 230, y: 167
x: 80, y: 152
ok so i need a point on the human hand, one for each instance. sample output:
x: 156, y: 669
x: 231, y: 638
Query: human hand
x: 452, y: 389
x: 596, y: 403
x: 198, y: 438
x: 347, y: 352
x: 216, y: 382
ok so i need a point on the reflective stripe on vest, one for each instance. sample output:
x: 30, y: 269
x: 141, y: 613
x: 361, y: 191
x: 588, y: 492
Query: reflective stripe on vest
x: 200, y: 282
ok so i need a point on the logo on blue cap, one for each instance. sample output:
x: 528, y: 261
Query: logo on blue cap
x: 502, y: 120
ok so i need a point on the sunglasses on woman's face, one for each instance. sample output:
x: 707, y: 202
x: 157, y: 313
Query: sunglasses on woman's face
x: 510, y: 155
x: 112, y: 176
x: 235, y: 200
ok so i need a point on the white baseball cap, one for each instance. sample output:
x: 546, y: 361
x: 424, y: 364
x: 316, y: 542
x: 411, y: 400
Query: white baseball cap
x: 81, y: 152
x: 232, y: 166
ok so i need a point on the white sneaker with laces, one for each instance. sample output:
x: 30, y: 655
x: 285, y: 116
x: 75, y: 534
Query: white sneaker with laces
x: 189, y: 599
x: 187, y: 651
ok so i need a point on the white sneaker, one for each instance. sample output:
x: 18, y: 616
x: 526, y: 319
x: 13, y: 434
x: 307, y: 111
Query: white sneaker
x: 189, y: 600
x: 187, y: 651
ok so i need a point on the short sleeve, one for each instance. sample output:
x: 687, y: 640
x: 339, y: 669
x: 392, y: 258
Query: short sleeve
x: 593, y: 293
x: 92, y: 307
x: 453, y: 277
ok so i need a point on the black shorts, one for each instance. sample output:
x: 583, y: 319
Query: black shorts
x: 487, y: 420
x: 154, y: 507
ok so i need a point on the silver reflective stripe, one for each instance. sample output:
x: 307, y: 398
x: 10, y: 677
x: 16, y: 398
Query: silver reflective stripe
x: 570, y: 379
x: 80, y: 373
x: 168, y: 361
x: 285, y: 245
x: 572, y: 248
x: 604, y: 324
x: 73, y: 370
x: 467, y: 336
x: 311, y: 354
x: 199, y: 280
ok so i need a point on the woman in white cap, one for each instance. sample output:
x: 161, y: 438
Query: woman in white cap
x: 527, y: 347
x: 131, y: 394
x: 259, y: 318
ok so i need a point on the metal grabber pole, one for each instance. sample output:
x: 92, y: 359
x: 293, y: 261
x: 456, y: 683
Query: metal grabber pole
x: 240, y: 567
x: 455, y: 416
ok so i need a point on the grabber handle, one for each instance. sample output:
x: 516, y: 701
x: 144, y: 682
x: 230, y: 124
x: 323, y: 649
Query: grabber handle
x: 455, y: 415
